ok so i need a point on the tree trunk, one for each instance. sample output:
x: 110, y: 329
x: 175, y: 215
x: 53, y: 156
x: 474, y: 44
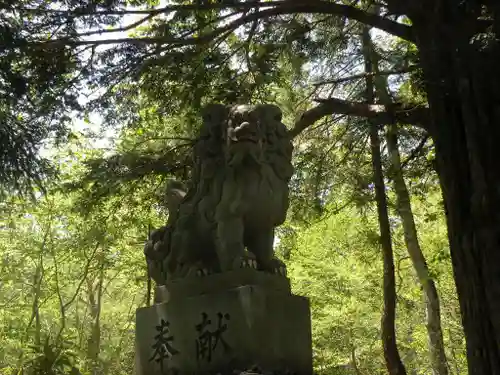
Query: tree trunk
x: 433, y: 310
x: 94, y: 342
x: 37, y: 288
x: 462, y: 78
x: 35, y: 309
x: 391, y: 354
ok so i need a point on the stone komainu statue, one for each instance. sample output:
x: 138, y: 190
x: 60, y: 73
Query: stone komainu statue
x: 238, y: 195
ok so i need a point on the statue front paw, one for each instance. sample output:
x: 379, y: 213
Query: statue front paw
x: 203, y: 271
x: 278, y: 267
x: 248, y: 260
x: 197, y: 270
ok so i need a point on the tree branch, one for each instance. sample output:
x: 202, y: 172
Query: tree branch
x: 156, y: 11
x: 382, y: 23
x: 119, y: 29
x: 281, y: 7
x: 376, y: 112
x: 416, y: 151
x: 364, y: 75
x: 150, y: 40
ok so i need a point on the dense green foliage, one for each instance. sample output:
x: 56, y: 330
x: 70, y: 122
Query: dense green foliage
x: 337, y: 263
x: 71, y: 281
x: 65, y: 272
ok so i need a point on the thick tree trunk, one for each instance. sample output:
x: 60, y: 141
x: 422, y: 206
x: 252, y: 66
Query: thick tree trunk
x: 432, y: 305
x: 462, y: 79
x: 391, y: 353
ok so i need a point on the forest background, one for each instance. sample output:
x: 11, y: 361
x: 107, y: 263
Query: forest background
x: 100, y: 105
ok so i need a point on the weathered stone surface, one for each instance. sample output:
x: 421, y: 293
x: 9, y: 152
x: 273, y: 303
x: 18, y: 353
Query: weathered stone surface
x: 189, y: 287
x: 238, y: 195
x: 222, y: 302
x: 224, y: 331
x: 157, y: 248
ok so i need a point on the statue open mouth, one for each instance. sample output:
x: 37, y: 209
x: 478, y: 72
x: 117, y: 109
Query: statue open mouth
x: 244, y: 132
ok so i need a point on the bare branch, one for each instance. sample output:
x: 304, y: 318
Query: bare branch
x: 376, y: 112
x: 364, y: 75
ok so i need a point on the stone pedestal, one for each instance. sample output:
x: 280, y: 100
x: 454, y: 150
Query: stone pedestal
x: 225, y: 322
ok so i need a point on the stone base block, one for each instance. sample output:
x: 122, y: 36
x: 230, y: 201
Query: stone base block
x: 194, y: 286
x: 223, y: 331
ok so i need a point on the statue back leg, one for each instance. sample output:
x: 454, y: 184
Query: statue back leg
x: 261, y: 244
